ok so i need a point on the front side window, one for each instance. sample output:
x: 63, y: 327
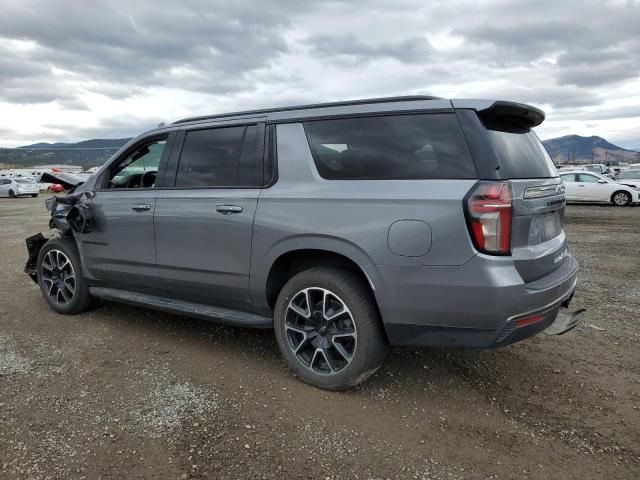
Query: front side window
x: 139, y: 168
x: 394, y: 147
x: 586, y: 178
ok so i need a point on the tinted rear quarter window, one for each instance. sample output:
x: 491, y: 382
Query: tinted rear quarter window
x: 395, y: 147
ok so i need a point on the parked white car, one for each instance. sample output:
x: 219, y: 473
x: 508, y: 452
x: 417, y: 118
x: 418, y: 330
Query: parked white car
x: 631, y: 178
x: 17, y: 187
x: 584, y: 186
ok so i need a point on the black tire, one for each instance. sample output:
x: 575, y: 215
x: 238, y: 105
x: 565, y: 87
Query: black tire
x: 370, y: 347
x: 34, y: 195
x: 79, y: 300
x: 619, y: 195
x: 12, y: 194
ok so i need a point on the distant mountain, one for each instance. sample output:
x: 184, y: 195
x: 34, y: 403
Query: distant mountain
x: 91, y: 153
x: 594, y: 149
x: 94, y: 143
x: 87, y: 153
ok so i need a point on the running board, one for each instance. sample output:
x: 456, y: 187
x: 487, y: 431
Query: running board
x: 190, y: 309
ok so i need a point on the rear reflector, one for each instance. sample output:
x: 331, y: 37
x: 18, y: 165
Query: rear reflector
x: 523, y: 322
x: 489, y: 211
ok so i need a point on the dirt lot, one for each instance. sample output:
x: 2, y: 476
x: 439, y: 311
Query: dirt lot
x: 123, y: 392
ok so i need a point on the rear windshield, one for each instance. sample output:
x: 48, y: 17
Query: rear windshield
x: 394, y: 147
x: 522, y: 155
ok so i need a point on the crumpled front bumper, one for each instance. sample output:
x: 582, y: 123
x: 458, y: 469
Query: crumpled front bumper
x: 34, y: 245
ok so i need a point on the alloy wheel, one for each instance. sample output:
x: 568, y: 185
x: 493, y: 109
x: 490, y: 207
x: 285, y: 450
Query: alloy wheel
x: 320, y: 331
x: 620, y: 199
x: 58, y: 277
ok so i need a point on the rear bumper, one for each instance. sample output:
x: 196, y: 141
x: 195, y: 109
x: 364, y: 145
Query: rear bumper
x: 477, y: 304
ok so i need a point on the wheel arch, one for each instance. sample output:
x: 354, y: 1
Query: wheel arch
x: 312, y: 248
x: 290, y: 262
x: 619, y: 190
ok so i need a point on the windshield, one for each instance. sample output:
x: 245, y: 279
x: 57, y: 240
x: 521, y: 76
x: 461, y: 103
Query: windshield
x: 630, y: 174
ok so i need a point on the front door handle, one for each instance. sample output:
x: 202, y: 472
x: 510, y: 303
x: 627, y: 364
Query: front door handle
x: 141, y: 208
x: 228, y: 209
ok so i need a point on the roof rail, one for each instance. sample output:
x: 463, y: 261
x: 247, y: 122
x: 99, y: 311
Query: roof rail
x: 363, y: 101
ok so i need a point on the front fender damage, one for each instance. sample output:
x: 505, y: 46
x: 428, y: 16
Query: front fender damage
x: 69, y: 214
x: 34, y: 245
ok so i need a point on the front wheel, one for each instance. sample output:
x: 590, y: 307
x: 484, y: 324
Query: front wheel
x: 621, y: 199
x: 60, y: 277
x: 328, y: 328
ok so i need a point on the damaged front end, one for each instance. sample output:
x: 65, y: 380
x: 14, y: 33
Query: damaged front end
x: 70, y: 214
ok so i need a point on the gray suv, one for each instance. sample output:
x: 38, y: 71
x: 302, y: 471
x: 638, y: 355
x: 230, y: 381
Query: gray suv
x: 347, y: 227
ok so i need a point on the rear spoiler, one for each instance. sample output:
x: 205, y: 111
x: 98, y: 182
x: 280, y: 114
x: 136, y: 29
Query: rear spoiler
x: 511, y: 117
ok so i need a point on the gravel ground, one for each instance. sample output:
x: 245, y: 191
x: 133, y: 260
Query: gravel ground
x: 123, y: 392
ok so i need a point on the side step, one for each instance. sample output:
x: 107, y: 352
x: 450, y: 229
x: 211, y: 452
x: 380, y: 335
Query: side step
x: 190, y: 309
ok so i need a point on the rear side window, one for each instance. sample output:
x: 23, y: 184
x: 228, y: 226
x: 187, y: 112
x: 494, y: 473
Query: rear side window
x: 399, y: 147
x: 209, y: 157
x: 521, y: 155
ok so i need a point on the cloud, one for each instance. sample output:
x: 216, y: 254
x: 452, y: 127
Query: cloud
x: 409, y: 50
x: 116, y: 67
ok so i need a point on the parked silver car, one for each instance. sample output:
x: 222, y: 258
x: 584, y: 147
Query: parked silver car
x: 347, y: 227
x: 17, y: 187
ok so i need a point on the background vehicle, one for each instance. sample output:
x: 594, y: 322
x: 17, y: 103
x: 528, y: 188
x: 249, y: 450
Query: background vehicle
x: 17, y: 187
x: 630, y: 178
x: 584, y: 186
x: 615, y: 171
x: 55, y: 188
x: 346, y: 227
x: 599, y: 168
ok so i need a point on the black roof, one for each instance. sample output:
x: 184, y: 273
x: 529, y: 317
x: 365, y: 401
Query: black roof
x: 363, y: 101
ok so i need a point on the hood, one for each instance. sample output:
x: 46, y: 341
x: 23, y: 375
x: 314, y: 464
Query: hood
x: 67, y: 180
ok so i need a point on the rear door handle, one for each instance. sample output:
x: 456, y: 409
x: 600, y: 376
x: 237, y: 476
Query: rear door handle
x: 228, y: 209
x: 141, y: 208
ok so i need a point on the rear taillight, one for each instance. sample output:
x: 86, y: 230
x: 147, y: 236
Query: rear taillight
x: 488, y: 209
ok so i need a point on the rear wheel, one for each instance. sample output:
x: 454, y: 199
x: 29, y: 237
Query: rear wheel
x: 60, y: 277
x: 34, y: 195
x: 12, y: 194
x: 621, y: 199
x: 328, y: 329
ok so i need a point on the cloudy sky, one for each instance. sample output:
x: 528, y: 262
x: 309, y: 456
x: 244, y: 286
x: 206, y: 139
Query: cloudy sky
x: 72, y: 70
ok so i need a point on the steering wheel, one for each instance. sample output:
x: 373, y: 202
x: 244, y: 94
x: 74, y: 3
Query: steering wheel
x: 148, y: 179
x: 133, y: 181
